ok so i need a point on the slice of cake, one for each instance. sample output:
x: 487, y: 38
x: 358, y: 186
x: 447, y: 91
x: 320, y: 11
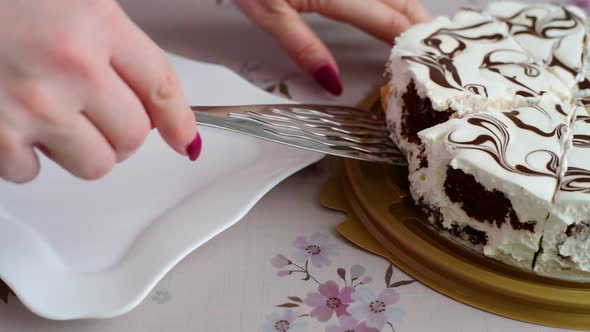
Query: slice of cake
x: 491, y: 177
x: 551, y: 33
x: 566, y: 239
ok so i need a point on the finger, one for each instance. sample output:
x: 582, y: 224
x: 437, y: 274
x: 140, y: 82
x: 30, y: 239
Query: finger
x: 18, y: 161
x: 81, y: 149
x: 371, y: 16
x: 118, y: 114
x: 300, y: 42
x: 412, y: 9
x: 142, y: 65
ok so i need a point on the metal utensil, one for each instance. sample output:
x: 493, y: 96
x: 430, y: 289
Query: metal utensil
x: 336, y: 130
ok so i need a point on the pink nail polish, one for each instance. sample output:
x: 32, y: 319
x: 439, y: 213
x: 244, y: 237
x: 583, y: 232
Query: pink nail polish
x: 193, y: 150
x: 327, y: 77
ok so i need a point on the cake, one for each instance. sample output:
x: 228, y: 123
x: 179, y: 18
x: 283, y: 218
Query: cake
x: 489, y: 108
x: 566, y: 238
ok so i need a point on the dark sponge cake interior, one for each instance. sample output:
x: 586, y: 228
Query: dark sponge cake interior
x: 481, y: 204
x: 418, y: 114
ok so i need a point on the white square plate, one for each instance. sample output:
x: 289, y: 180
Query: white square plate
x: 77, y: 249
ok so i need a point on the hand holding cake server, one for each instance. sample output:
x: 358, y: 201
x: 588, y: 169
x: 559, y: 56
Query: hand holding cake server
x: 73, y: 87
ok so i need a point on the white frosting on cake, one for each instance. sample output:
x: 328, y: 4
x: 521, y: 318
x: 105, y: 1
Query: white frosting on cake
x: 470, y: 63
x: 547, y: 32
x: 515, y: 153
x: 462, y: 64
x: 490, y: 101
x: 566, y: 239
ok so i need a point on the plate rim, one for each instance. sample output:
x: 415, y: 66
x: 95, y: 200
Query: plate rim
x: 103, y: 294
x: 90, y: 295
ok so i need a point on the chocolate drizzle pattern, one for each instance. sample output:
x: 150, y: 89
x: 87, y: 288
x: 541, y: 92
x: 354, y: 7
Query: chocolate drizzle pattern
x: 478, y: 89
x: 585, y: 101
x: 556, y: 27
x: 435, y: 39
x: 558, y: 131
x: 496, y: 140
x: 560, y: 110
x: 576, y: 180
x: 540, y: 21
x: 440, y: 63
x: 528, y: 66
x: 584, y: 84
x: 438, y: 69
x: 442, y: 68
x: 555, y: 62
x: 580, y: 140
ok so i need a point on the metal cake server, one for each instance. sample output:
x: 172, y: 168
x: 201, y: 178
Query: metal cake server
x: 336, y: 130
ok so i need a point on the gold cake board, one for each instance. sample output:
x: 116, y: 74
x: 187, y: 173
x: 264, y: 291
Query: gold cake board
x: 382, y: 219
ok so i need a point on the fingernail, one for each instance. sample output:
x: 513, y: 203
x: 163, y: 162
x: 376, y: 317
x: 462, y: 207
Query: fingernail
x: 193, y: 150
x: 327, y: 77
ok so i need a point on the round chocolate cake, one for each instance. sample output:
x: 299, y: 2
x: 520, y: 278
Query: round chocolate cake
x: 489, y: 108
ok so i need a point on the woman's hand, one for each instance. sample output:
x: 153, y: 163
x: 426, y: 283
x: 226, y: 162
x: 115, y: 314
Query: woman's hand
x: 83, y: 84
x: 383, y: 19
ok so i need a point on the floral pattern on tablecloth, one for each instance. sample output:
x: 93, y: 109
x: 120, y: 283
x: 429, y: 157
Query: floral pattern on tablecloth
x: 253, y: 72
x: 345, y: 303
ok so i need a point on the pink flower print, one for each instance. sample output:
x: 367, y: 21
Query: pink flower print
x: 329, y: 300
x: 375, y: 310
x: 285, y: 322
x: 366, y: 280
x: 349, y: 324
x: 279, y: 261
x: 283, y: 273
x: 317, y: 249
x: 356, y: 271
